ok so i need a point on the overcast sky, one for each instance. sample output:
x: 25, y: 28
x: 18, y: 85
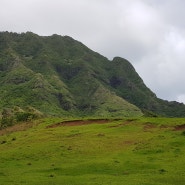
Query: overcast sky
x: 149, y: 33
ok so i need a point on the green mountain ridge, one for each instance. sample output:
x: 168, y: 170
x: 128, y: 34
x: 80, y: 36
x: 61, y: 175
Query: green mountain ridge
x: 60, y: 76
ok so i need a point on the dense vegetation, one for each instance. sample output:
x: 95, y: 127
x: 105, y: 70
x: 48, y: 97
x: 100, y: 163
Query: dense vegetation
x: 60, y: 76
x: 145, y: 151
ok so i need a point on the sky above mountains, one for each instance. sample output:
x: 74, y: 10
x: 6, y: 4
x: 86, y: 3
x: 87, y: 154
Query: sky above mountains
x: 149, y: 33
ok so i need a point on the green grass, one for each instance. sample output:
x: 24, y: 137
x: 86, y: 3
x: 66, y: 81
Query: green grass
x: 146, y: 151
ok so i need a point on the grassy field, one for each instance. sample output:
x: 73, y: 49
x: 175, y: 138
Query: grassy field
x: 145, y: 151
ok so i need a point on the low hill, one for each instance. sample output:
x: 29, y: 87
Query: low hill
x: 60, y: 76
x: 88, y: 152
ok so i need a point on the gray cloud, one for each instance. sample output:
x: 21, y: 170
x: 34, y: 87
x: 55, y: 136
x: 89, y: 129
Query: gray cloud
x: 149, y: 33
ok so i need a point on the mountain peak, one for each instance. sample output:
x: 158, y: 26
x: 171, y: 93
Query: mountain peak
x: 58, y: 75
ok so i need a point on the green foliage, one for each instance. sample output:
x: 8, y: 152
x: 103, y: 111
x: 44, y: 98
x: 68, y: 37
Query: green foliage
x: 24, y: 116
x: 183, y: 133
x: 148, y: 113
x: 60, y: 76
x: 15, y: 115
x: 7, y: 118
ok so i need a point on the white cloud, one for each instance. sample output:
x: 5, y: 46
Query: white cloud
x: 163, y: 70
x: 181, y: 98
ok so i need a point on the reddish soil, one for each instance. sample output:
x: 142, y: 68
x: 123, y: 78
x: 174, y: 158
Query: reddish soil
x: 79, y: 123
x: 17, y: 127
x: 129, y: 142
x: 123, y: 124
x: 149, y: 126
x: 179, y: 127
x: 164, y: 126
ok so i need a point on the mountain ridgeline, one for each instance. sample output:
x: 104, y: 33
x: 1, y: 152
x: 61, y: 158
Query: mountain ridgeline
x: 60, y: 76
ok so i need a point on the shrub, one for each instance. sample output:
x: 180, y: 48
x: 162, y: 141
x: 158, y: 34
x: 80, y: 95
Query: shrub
x: 183, y: 133
x: 24, y: 116
x: 7, y: 122
x: 7, y: 118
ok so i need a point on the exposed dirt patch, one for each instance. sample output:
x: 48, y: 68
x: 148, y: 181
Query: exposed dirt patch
x: 179, y: 127
x: 129, y: 142
x: 149, y: 126
x: 17, y: 127
x: 100, y: 135
x: 79, y: 123
x: 167, y: 127
x: 127, y: 122
x: 164, y: 126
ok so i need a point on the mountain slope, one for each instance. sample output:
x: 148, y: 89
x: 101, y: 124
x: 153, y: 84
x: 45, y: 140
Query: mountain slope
x: 59, y: 75
x: 127, y: 84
